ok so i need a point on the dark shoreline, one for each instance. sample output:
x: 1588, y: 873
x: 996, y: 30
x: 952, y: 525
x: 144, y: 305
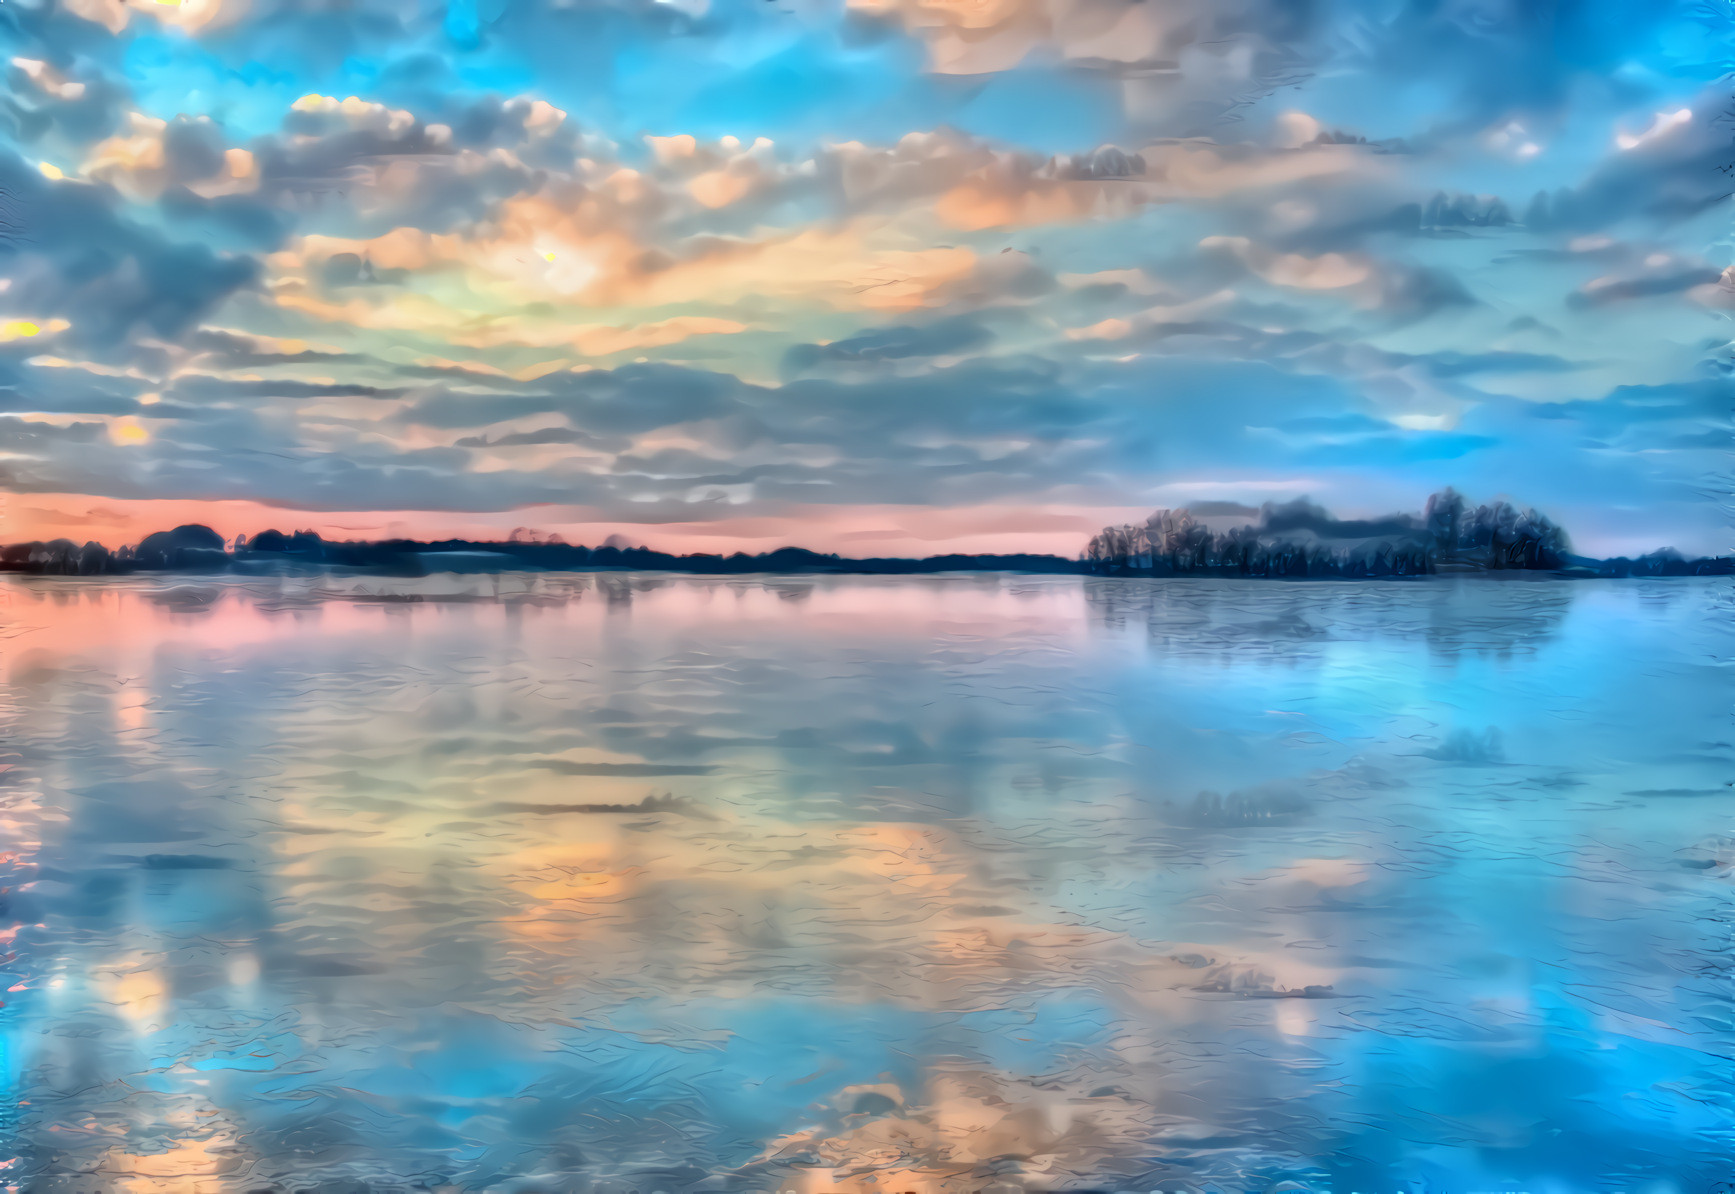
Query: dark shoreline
x: 1296, y: 541
x: 410, y: 559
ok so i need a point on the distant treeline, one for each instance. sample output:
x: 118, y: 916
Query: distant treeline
x: 195, y: 548
x: 1294, y: 540
x: 1300, y: 539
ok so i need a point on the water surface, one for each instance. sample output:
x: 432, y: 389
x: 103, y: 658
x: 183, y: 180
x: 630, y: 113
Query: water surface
x: 873, y: 885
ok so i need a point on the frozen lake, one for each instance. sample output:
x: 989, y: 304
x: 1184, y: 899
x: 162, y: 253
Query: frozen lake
x: 637, y: 883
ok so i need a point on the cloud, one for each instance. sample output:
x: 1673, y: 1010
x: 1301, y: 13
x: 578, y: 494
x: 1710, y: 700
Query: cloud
x: 1653, y: 283
x: 538, y: 438
x: 1718, y: 293
x: 1392, y: 289
x: 1330, y: 271
x: 199, y: 387
x: 220, y: 348
x: 582, y: 251
x: 1187, y: 62
x: 587, y: 232
x: 189, y: 15
x: 151, y: 155
x: 81, y: 259
x: 942, y: 338
x: 59, y: 109
x: 1008, y: 189
x: 1671, y: 171
x: 351, y: 164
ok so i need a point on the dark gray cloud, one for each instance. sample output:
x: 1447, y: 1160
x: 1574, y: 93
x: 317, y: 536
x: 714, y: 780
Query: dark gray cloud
x: 219, y: 349
x: 81, y: 259
x: 1416, y: 292
x: 1645, y: 411
x: 60, y: 103
x: 1675, y: 171
x: 319, y: 155
x: 204, y: 387
x: 355, y: 172
x: 630, y: 400
x: 943, y: 337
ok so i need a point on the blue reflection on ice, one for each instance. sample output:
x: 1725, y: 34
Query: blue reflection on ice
x: 866, y: 885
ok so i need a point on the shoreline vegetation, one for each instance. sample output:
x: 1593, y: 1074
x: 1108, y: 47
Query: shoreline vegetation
x: 1289, y: 541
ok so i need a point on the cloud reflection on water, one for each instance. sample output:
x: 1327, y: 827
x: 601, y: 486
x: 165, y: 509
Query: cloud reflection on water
x: 862, y: 885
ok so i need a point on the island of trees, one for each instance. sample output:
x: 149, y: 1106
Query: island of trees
x: 1298, y: 539
x: 1291, y: 540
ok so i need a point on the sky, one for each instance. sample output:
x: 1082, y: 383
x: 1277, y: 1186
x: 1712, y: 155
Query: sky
x: 869, y: 276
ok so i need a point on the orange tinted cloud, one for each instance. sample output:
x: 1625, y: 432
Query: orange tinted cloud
x: 587, y: 253
x: 981, y: 204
